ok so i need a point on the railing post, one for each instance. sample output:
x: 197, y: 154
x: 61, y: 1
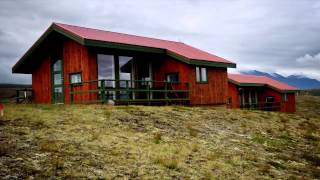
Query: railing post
x: 148, y: 88
x: 188, y: 91
x: 103, y: 94
x: 166, y: 92
x: 71, y: 94
x: 17, y: 98
x: 127, y: 90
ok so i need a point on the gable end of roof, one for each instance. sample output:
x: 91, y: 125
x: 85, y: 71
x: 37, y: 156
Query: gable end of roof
x: 252, y: 80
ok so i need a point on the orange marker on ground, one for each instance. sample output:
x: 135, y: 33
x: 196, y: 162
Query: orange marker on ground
x: 1, y: 109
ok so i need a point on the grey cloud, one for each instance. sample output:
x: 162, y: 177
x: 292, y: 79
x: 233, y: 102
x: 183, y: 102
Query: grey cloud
x: 267, y: 35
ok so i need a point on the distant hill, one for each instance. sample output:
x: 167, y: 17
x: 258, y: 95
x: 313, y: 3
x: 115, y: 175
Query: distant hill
x: 298, y: 81
x: 15, y: 85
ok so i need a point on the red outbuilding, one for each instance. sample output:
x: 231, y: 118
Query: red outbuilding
x: 260, y: 92
x: 72, y: 64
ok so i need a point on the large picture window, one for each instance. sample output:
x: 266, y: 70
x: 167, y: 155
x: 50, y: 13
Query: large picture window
x: 106, y: 69
x: 57, y: 84
x: 125, y: 68
x: 201, y: 74
x: 106, y: 72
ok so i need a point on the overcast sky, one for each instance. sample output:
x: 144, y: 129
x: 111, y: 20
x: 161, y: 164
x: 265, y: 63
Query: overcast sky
x: 271, y: 35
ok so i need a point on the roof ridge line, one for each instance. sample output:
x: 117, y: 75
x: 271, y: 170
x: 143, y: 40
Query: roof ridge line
x: 140, y: 36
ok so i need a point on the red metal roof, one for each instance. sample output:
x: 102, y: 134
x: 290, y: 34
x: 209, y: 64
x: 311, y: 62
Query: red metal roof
x: 262, y: 80
x: 175, y: 47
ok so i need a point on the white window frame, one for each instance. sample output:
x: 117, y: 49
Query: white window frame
x: 78, y: 78
x: 201, y: 74
x: 285, y: 97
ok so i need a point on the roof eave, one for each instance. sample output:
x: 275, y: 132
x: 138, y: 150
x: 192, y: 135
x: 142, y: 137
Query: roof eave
x: 246, y: 84
x: 200, y: 62
x: 53, y: 27
x: 261, y: 85
x: 212, y: 63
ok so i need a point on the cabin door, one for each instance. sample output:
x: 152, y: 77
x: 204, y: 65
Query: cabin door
x: 57, y: 82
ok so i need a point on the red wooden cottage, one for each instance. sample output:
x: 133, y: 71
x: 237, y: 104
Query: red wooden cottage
x: 71, y: 64
x: 260, y: 92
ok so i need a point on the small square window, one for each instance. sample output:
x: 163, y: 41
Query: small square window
x: 201, y: 74
x: 172, y: 77
x: 270, y: 99
x: 75, y: 78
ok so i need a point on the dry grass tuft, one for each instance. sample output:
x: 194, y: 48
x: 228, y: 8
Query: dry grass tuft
x: 6, y: 148
x: 157, y: 137
x: 192, y: 131
x: 50, y: 145
x: 168, y: 162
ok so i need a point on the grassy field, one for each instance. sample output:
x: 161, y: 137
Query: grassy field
x: 137, y: 142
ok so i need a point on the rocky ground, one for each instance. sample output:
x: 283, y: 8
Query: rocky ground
x: 175, y: 142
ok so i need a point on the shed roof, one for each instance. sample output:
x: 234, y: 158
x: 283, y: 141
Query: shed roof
x: 252, y: 80
x: 101, y: 38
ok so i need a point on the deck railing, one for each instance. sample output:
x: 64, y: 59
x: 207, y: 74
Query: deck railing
x: 130, y: 92
x: 267, y: 106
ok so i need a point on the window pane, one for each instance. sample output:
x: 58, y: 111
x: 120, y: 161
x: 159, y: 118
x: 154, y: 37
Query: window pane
x: 75, y: 78
x: 173, y: 77
x: 270, y: 99
x: 58, y: 95
x: 204, y: 75
x: 57, y: 79
x: 198, y: 74
x: 125, y: 67
x: 106, y: 69
x: 57, y: 66
x: 284, y: 97
x: 58, y: 90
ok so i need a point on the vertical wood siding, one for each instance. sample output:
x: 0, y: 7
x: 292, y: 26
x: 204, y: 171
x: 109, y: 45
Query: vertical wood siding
x: 77, y: 58
x: 41, y: 82
x: 166, y: 66
x: 212, y: 93
x: 290, y: 105
x: 234, y: 95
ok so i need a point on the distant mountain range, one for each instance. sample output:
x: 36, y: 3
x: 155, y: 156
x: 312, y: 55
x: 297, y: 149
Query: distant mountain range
x: 298, y: 81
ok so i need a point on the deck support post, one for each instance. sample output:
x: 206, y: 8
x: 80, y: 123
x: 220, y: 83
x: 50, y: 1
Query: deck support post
x: 127, y: 91
x: 71, y: 94
x: 103, y: 93
x: 188, y: 88
x: 166, y: 92
x: 117, y: 75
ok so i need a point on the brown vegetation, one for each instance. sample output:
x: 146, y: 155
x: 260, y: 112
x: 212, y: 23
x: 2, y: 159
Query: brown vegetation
x: 136, y: 142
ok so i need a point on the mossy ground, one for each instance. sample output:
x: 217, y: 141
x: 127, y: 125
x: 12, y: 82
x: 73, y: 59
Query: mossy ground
x: 170, y: 142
